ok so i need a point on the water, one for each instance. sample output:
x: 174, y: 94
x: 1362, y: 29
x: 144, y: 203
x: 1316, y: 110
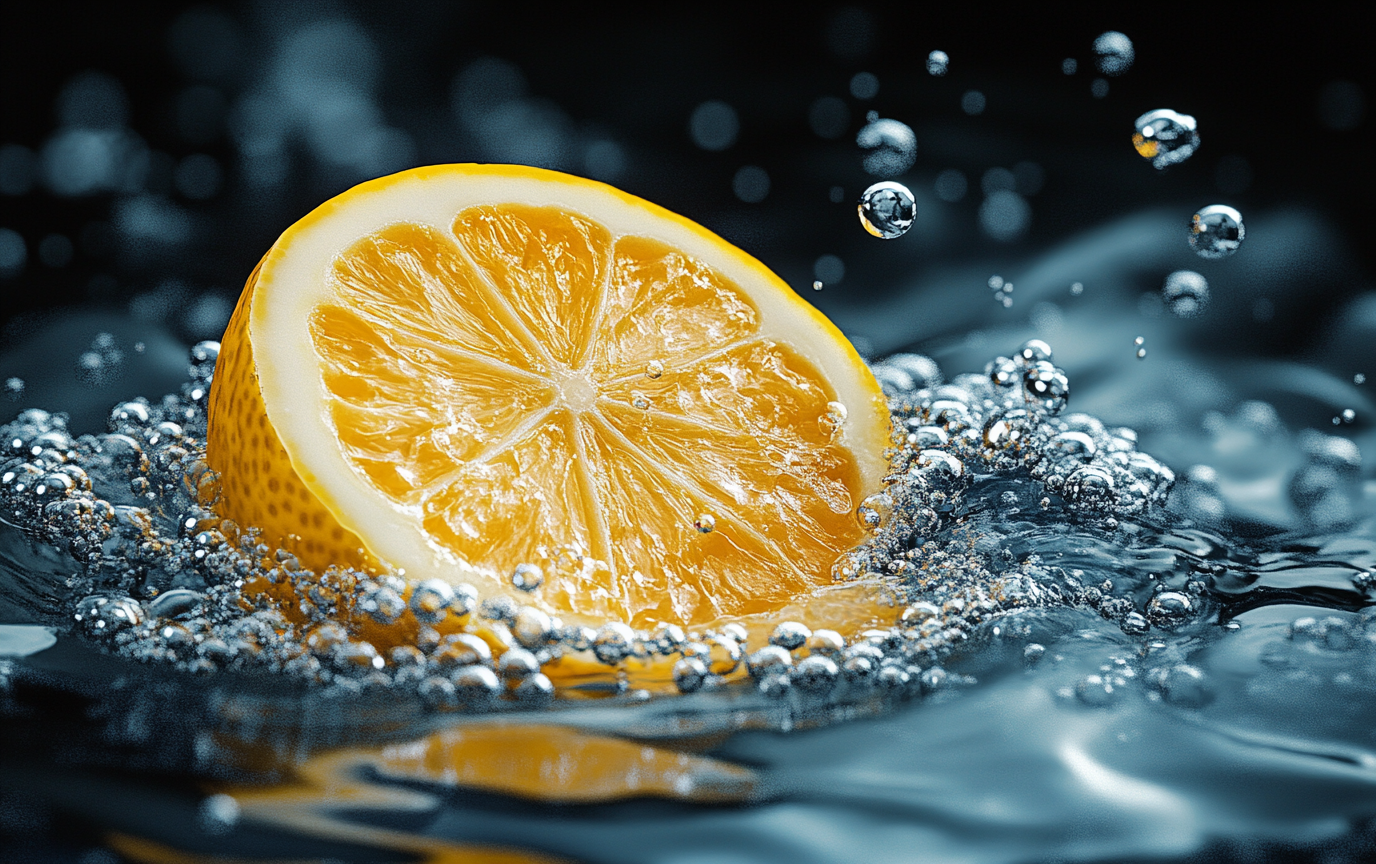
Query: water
x: 1165, y: 137
x: 1216, y: 231
x: 1186, y: 293
x: 891, y: 146
x: 1113, y: 53
x: 887, y: 210
x: 1170, y: 670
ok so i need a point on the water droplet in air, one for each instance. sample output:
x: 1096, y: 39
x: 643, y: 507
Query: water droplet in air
x: 1113, y: 53
x: 1349, y: 415
x: 639, y: 400
x: 831, y: 421
x: 937, y: 63
x: 816, y: 285
x: 874, y: 511
x: 1077, y: 288
x: 1216, y: 231
x: 790, y: 635
x: 1359, y: 378
x: 1186, y: 293
x: 14, y: 389
x: 1165, y: 137
x: 1069, y: 66
x: 892, y: 147
x: 1098, y: 88
x: 1033, y: 351
x: 706, y: 523
x: 654, y: 369
x: 887, y: 210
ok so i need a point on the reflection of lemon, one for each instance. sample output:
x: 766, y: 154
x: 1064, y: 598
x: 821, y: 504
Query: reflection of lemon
x: 456, y: 369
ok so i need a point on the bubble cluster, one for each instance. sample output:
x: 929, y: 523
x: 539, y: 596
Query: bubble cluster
x: 1165, y: 137
x: 887, y: 210
x: 1216, y: 231
x: 162, y: 579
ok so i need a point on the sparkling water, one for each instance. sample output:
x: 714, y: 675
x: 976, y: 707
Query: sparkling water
x: 1186, y: 293
x: 891, y: 146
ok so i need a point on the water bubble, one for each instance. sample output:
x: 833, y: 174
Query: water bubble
x: 714, y: 125
x: 789, y: 635
x: 1186, y: 293
x: 1005, y: 215
x: 829, y: 269
x: 706, y: 523
x: 1097, y: 690
x: 218, y: 814
x: 654, y: 369
x: 1089, y: 486
x: 1077, y: 288
x: 613, y: 643
x: 104, y: 615
x: 1359, y: 378
x: 174, y: 603
x: 527, y: 577
x: 892, y: 147
x: 689, y: 674
x: 1216, y: 231
x: 1033, y: 653
x: 1069, y: 66
x: 816, y: 673
x: 769, y: 660
x: 1185, y: 686
x: 937, y: 63
x: 535, y: 689
x: 1113, y: 53
x: 640, y: 401
x: 1169, y: 608
x: 1047, y: 385
x: 430, y: 600
x: 532, y: 627
x: 1349, y: 415
x: 874, y: 512
x: 1098, y: 88
x: 833, y: 418
x: 1003, y: 372
x: 828, y: 117
x: 751, y: 184
x: 1141, y: 343
x: 477, y: 685
x: 972, y: 102
x: 864, y: 85
x: 817, y: 285
x: 1165, y: 137
x: 14, y: 389
x: 887, y: 210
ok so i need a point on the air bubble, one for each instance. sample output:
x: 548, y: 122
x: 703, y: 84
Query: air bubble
x: 1216, y: 231
x: 831, y: 421
x: 1113, y: 53
x: 887, y: 210
x: 1165, y: 137
x: 654, y: 369
x: 937, y: 63
x: 891, y: 146
x: 527, y: 577
x: 706, y: 523
x: 1186, y: 293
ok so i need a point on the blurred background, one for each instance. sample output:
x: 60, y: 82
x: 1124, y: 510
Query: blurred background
x: 150, y: 154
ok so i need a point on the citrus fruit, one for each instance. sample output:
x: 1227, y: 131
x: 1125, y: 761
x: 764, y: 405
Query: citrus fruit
x: 458, y: 369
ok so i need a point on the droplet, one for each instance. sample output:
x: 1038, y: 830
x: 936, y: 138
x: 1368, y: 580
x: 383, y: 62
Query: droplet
x: 527, y: 577
x: 817, y: 285
x: 14, y: 389
x: 1077, y: 288
x: 1034, y: 350
x: 887, y: 210
x: 1141, y: 343
x: 830, y: 421
x: 1169, y: 608
x: 1047, y: 385
x: 874, y: 511
x: 1165, y: 137
x: 1186, y: 293
x: 892, y: 147
x: 1349, y: 415
x: 639, y: 400
x: 1113, y: 53
x: 815, y: 673
x: 1359, y: 378
x: 430, y: 600
x: 654, y: 369
x: 790, y: 635
x: 937, y: 63
x: 1216, y: 231
x: 706, y: 523
x: 689, y: 674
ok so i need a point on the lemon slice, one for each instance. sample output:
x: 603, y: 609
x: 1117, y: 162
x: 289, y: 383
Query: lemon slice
x: 454, y: 370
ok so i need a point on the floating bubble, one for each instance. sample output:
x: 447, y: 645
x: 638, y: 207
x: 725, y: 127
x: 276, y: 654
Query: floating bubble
x: 1113, y: 53
x: 892, y: 147
x: 1098, y: 88
x: 1359, y: 378
x: 972, y: 102
x: 751, y: 184
x: 1186, y: 293
x: 829, y: 270
x: 527, y: 577
x: 14, y: 389
x: 714, y: 125
x: 654, y: 369
x: 864, y: 85
x: 1077, y: 288
x: 828, y: 117
x: 1165, y: 137
x: 706, y: 523
x: 1216, y: 231
x: 1005, y: 216
x: 937, y: 63
x: 887, y: 210
x: 1069, y: 66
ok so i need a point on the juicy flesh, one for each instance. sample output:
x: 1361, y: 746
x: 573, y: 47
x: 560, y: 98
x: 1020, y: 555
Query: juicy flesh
x: 527, y: 380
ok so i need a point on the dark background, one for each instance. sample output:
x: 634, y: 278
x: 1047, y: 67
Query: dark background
x: 170, y: 247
